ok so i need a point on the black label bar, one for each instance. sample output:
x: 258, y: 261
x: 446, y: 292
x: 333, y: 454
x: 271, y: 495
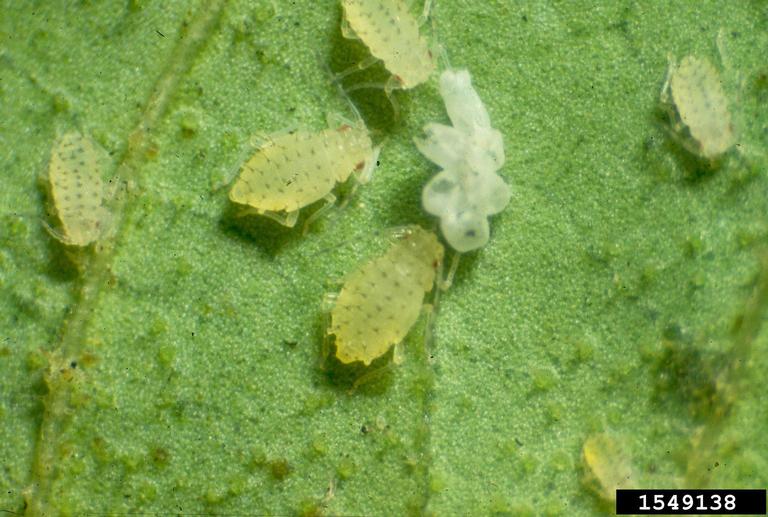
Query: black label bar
x: 689, y: 502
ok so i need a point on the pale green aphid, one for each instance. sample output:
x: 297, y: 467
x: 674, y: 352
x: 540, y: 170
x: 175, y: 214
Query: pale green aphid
x: 391, y: 33
x: 294, y: 170
x: 695, y: 90
x: 77, y: 189
x: 468, y: 190
x: 381, y: 301
x: 607, y: 466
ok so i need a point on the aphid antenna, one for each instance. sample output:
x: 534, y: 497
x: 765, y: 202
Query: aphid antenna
x: 388, y: 88
x: 391, y: 233
x: 334, y: 79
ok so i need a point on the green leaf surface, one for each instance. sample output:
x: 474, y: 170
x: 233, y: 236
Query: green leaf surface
x: 175, y: 367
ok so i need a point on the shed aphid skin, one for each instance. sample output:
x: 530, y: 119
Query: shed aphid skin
x: 467, y: 190
x: 391, y: 33
x: 77, y: 189
x: 471, y: 141
x: 294, y: 170
x: 381, y: 301
x: 694, y: 93
x: 607, y: 466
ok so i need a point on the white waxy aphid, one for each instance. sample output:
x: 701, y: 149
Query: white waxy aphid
x: 77, y: 189
x: 391, y: 33
x: 607, y: 465
x: 294, y: 170
x: 467, y: 190
x: 381, y: 301
x: 696, y: 90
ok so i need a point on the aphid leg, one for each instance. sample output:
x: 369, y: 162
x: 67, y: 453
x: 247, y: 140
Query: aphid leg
x: 666, y: 97
x: 330, y: 200
x: 56, y: 234
x: 329, y: 300
x: 285, y: 218
x: 444, y: 284
x: 425, y: 12
x: 362, y: 65
x: 398, y: 354
x: 370, y: 376
x: 347, y: 31
x: 336, y: 120
x: 399, y: 232
x: 430, y: 309
x: 393, y: 83
x: 720, y: 42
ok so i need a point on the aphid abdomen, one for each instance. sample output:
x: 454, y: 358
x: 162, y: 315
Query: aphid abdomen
x: 285, y: 175
x: 374, y: 311
x: 391, y: 33
x: 77, y: 189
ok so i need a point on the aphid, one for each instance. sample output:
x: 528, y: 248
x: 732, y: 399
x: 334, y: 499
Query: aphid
x: 294, y: 170
x: 468, y: 190
x: 77, y: 189
x: 391, y: 33
x: 695, y: 90
x: 381, y: 301
x: 607, y: 466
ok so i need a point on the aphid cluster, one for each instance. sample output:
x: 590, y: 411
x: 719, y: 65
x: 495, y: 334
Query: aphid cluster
x: 467, y: 190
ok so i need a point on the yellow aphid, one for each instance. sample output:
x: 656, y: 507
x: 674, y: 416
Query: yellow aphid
x: 697, y: 93
x: 607, y: 466
x: 381, y: 301
x: 77, y: 189
x: 295, y: 170
x: 391, y: 33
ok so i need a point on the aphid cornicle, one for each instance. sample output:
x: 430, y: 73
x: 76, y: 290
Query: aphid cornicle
x: 77, y: 189
x: 694, y: 89
x: 294, y: 170
x: 391, y: 33
x: 381, y: 301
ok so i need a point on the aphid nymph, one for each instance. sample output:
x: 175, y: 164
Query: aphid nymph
x: 391, y: 33
x: 77, y: 189
x: 694, y: 94
x: 381, y: 301
x: 294, y: 170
